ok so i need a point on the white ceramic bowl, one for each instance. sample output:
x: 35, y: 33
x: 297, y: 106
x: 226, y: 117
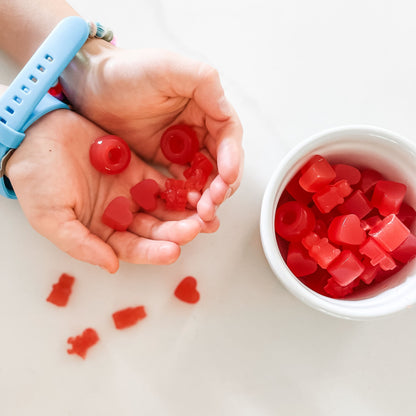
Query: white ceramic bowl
x: 393, y: 156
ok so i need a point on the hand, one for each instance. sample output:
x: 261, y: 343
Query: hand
x: 64, y: 197
x: 138, y: 94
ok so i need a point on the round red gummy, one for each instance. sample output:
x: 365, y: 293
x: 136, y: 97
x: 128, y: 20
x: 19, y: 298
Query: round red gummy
x: 110, y: 154
x: 179, y: 144
x: 293, y: 221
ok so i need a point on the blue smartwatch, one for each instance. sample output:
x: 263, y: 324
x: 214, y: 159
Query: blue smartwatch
x: 27, y: 98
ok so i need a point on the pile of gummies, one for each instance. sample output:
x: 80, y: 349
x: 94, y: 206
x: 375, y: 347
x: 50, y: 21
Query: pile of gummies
x: 179, y: 144
x: 341, y: 228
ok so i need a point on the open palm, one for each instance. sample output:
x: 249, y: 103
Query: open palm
x: 138, y: 94
x: 64, y: 197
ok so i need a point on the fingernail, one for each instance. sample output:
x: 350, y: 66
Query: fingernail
x: 225, y: 106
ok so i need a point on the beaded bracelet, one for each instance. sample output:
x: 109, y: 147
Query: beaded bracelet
x: 97, y: 30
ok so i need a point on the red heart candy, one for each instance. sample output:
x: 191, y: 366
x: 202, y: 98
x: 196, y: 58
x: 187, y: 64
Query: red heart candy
x: 186, y: 290
x: 145, y: 194
x: 117, y: 215
x: 346, y: 229
x: 299, y: 262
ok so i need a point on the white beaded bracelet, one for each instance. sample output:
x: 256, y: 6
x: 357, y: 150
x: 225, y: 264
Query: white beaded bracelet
x: 97, y: 30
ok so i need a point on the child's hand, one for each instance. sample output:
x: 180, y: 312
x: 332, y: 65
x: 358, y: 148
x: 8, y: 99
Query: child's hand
x: 64, y: 197
x: 138, y: 94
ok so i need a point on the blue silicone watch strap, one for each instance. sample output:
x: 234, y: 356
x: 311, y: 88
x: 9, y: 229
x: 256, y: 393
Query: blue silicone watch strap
x: 26, y: 99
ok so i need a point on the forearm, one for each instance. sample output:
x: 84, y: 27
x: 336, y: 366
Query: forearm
x: 26, y: 23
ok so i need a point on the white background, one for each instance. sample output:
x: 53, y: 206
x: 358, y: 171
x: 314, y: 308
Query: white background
x: 291, y: 68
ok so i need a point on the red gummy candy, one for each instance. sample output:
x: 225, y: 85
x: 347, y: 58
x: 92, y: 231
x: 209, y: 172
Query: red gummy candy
x: 299, y: 262
x: 320, y: 228
x: 345, y: 268
x: 293, y: 221
x: 128, y: 317
x: 316, y: 174
x: 81, y: 343
x: 186, y: 290
x: 175, y: 194
x: 117, y: 215
x: 389, y: 233
x: 320, y: 249
x: 61, y: 291
x: 337, y: 291
x: 369, y: 178
x: 145, y: 194
x: 377, y: 255
x: 388, y: 196
x: 110, y: 154
x: 406, y: 251
x: 370, y: 222
x: 348, y: 172
x: 406, y: 215
x: 346, y: 229
x: 198, y: 173
x: 357, y: 203
x: 369, y: 273
x: 316, y: 281
x: 331, y: 195
x: 56, y: 91
x: 179, y: 144
x: 297, y: 192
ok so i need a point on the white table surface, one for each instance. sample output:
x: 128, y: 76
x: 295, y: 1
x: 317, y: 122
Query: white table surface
x: 291, y: 68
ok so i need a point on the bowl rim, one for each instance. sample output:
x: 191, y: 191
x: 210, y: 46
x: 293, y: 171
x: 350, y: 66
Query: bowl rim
x: 349, y: 309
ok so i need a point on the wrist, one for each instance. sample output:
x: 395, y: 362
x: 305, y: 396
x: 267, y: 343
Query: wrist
x: 83, y: 79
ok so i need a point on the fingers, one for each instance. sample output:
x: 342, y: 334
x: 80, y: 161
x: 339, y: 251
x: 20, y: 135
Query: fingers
x: 138, y: 250
x: 75, y: 239
x: 179, y: 232
x: 202, y: 83
x: 225, y: 142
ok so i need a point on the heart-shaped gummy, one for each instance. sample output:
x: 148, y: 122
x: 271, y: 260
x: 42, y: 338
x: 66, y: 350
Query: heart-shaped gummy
x: 117, y: 215
x: 299, y: 262
x: 145, y: 194
x: 346, y: 229
x: 186, y: 290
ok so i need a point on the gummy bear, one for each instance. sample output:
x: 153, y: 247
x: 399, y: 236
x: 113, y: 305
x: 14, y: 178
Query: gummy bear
x: 175, y: 195
x: 128, y: 317
x: 81, y: 343
x: 198, y: 173
x: 62, y: 290
x: 331, y: 195
x: 320, y: 249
